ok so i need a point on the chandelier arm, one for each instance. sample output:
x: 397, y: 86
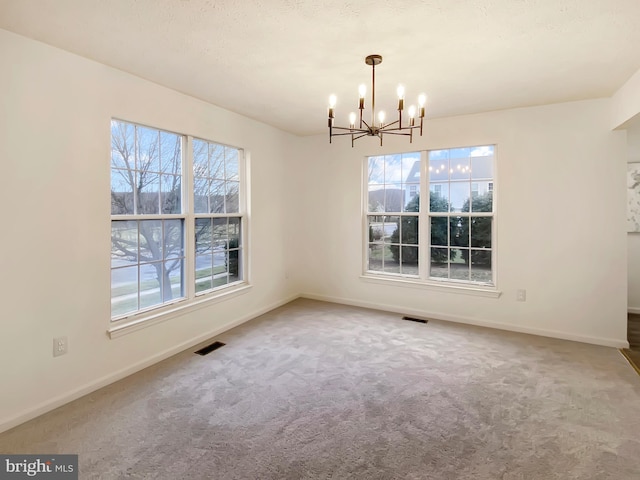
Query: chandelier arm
x: 394, y: 132
x: 405, y: 128
x: 351, y: 130
x: 363, y: 132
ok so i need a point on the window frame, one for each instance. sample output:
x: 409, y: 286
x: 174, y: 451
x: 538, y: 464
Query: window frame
x: 424, y: 280
x: 142, y: 317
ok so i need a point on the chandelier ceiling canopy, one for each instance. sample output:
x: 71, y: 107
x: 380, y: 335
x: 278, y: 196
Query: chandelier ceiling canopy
x: 377, y: 126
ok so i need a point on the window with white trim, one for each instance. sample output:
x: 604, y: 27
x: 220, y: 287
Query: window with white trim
x: 153, y: 264
x: 451, y: 239
x: 217, y: 209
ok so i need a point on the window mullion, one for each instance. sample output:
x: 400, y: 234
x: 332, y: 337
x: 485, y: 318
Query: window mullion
x: 189, y: 227
x: 424, y: 220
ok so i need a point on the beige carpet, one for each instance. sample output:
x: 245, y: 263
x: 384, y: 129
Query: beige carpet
x: 321, y: 391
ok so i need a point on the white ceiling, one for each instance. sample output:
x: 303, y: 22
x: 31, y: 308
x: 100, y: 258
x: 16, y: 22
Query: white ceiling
x: 278, y: 60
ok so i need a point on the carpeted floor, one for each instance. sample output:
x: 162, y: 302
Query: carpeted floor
x: 321, y: 391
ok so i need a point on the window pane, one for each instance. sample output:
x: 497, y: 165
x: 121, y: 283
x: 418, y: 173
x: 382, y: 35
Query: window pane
x: 124, y: 243
x: 220, y: 263
x: 391, y: 224
x: 483, y: 201
x: 376, y: 198
x: 150, y: 239
x: 481, y: 266
x: 216, y: 161
x: 459, y: 169
x: 459, y: 231
x: 391, y: 259
x: 216, y: 197
x: 464, y: 152
x: 201, y: 195
x: 376, y: 171
x: 438, y: 167
x: 124, y: 290
x: 412, y: 197
x: 220, y: 233
x: 204, y: 283
x: 439, y: 197
x: 375, y: 257
x: 231, y: 204
x: 392, y: 169
x: 235, y: 273
x: 460, y: 193
x: 234, y: 232
x: 411, y: 167
x: 459, y: 266
x: 409, y: 230
x: 151, y: 276
x: 409, y: 260
x: 394, y: 198
x: 170, y: 153
x: 175, y: 269
x: 173, y: 239
x: 200, y: 158
x: 148, y: 193
x: 220, y: 268
x: 439, y: 266
x: 204, y: 234
x: 148, y: 154
x: 481, y: 232
x: 376, y: 228
x: 204, y: 272
x: 122, y: 145
x: 482, y: 168
x: 231, y: 166
x: 440, y: 231
x: 171, y: 192
x: 122, y: 184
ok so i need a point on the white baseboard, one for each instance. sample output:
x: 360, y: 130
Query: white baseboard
x: 635, y: 310
x: 53, y: 403
x: 606, y: 342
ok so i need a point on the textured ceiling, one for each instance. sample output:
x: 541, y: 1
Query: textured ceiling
x: 278, y: 60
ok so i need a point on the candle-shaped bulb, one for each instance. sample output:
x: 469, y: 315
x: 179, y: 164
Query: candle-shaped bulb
x: 352, y: 119
x: 362, y: 90
x: 400, y: 91
x: 422, y: 99
x: 332, y: 101
x: 381, y: 117
x: 412, y: 111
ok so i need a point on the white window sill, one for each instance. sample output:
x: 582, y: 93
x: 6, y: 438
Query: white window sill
x: 448, y: 287
x: 144, y: 320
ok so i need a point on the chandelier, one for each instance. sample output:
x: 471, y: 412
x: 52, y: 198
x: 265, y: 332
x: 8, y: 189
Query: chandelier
x: 379, y: 128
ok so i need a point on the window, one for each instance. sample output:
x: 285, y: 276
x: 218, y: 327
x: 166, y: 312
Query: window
x: 152, y: 262
x: 218, y: 221
x: 461, y: 214
x: 451, y: 239
x: 392, y: 214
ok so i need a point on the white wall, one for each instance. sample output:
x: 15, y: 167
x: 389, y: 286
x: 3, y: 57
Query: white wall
x: 561, y: 231
x: 55, y: 112
x: 625, y: 103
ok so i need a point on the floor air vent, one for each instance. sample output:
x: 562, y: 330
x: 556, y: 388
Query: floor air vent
x: 411, y: 319
x: 210, y: 348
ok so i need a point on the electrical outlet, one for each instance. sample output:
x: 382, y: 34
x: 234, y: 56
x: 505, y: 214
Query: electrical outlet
x: 60, y: 346
x: 521, y: 295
